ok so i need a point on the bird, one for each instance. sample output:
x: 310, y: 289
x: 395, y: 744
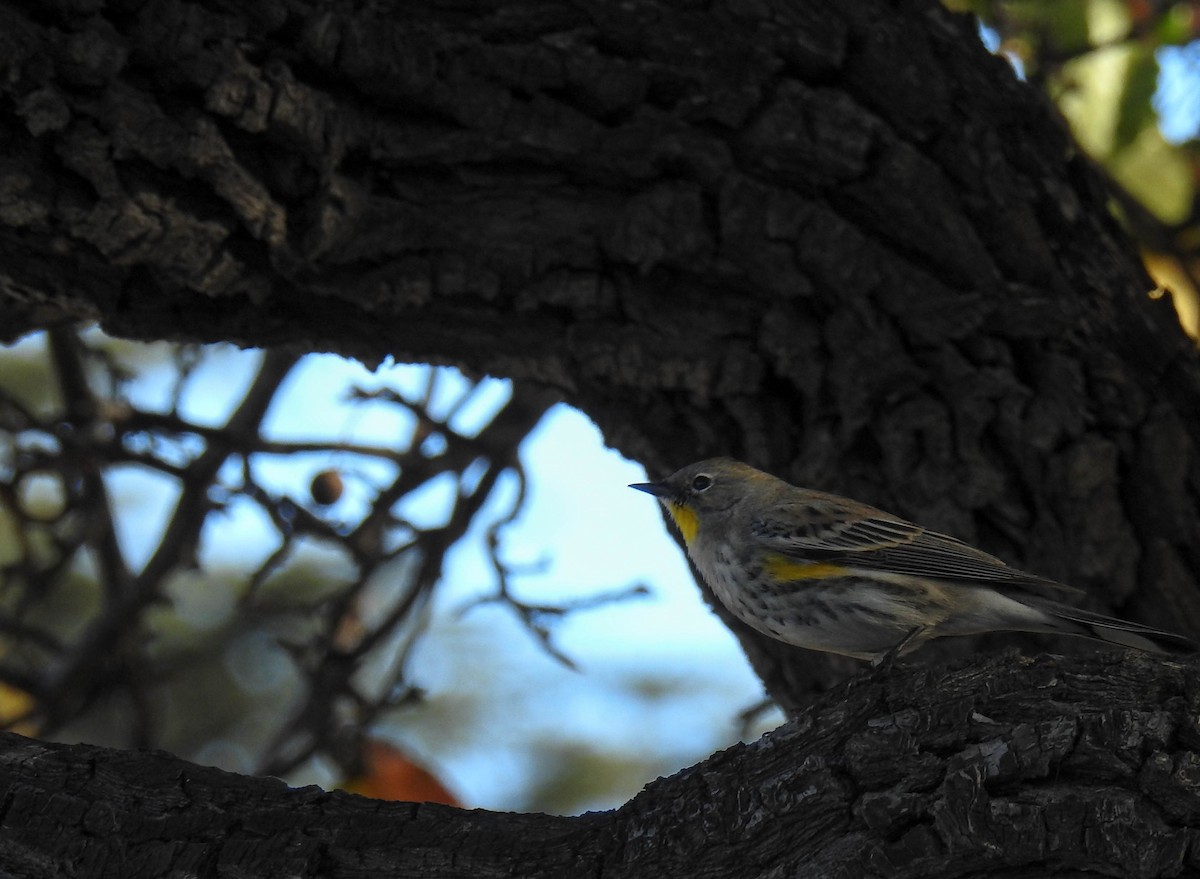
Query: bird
x: 828, y: 573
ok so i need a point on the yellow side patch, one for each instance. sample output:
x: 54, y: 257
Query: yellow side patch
x: 782, y: 568
x: 685, y: 521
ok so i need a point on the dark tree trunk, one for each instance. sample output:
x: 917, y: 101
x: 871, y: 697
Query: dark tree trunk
x: 840, y: 241
x: 1000, y: 767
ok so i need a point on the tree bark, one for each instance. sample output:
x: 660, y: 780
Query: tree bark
x: 1000, y: 766
x: 840, y: 241
x: 845, y: 244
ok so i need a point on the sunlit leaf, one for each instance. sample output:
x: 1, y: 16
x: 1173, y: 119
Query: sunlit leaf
x: 15, y: 704
x: 28, y: 376
x: 1157, y: 175
x: 1107, y: 20
x: 1089, y: 94
x: 1171, y: 277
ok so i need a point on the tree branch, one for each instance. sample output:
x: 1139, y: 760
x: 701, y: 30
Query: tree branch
x: 1003, y: 764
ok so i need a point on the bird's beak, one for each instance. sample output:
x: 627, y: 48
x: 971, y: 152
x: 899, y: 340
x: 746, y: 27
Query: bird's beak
x: 658, y: 489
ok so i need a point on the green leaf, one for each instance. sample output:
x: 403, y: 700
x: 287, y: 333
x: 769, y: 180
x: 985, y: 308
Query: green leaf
x: 1089, y: 93
x: 1107, y: 21
x: 1063, y: 25
x: 1174, y: 27
x: 1157, y: 174
x: 976, y: 7
x: 1135, y: 111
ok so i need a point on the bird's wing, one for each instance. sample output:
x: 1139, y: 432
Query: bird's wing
x: 826, y: 529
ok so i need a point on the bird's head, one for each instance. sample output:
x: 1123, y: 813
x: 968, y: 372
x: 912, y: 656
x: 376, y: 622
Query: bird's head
x: 701, y: 491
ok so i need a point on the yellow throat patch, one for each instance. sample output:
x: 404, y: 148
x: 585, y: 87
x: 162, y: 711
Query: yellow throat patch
x: 685, y: 521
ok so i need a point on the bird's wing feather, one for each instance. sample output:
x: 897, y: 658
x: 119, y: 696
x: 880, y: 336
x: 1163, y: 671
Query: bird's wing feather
x: 1113, y: 630
x: 865, y: 538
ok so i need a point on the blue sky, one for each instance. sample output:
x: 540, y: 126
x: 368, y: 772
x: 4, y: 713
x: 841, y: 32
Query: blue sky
x: 660, y: 682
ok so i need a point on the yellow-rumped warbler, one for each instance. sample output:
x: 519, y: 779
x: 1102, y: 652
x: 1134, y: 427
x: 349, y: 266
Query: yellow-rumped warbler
x: 828, y: 573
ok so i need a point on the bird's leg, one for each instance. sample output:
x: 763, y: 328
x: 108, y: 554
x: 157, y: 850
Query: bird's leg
x: 883, y: 662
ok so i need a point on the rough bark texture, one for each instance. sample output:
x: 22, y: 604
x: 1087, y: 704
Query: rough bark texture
x: 837, y: 240
x: 1004, y: 767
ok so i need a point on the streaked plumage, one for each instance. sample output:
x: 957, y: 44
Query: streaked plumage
x: 828, y: 573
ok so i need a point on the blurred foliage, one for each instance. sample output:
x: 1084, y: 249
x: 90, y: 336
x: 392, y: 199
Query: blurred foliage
x: 163, y: 585
x: 1104, y: 63
x: 235, y: 555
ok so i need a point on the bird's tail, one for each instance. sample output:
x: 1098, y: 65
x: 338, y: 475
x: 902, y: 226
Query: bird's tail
x: 1114, y: 631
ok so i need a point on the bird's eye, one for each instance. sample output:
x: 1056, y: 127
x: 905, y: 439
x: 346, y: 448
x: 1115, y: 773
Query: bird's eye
x: 701, y: 482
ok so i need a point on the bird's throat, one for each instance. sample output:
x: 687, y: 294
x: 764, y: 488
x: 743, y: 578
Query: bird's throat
x: 685, y: 521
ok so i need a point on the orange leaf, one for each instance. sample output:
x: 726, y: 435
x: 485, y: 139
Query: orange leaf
x: 390, y: 775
